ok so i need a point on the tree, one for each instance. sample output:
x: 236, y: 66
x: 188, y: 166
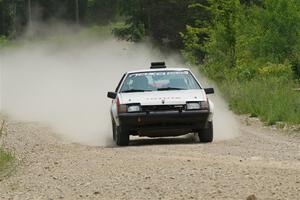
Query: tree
x: 101, y: 11
x: 29, y: 12
x: 214, y: 36
x: 161, y: 20
x: 77, y: 11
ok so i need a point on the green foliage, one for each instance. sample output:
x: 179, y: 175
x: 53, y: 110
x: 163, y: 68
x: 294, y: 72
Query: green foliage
x: 295, y: 62
x: 276, y: 70
x: 132, y: 32
x: 243, y: 36
x: 193, y: 43
x: 217, y: 38
x: 162, y: 20
x: 253, y: 53
x: 134, y: 28
x: 270, y: 34
x: 221, y: 47
x: 3, y: 41
x: 280, y: 27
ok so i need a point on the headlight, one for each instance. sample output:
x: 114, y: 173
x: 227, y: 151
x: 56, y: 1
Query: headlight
x: 134, y: 108
x: 203, y: 105
x: 193, y: 106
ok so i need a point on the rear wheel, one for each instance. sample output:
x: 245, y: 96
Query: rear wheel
x: 121, y: 136
x: 206, y: 135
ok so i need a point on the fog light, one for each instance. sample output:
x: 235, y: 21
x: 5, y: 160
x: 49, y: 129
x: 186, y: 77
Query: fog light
x: 134, y: 108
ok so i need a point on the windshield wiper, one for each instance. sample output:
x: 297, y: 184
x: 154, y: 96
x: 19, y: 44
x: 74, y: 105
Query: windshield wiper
x: 134, y: 90
x: 170, y: 88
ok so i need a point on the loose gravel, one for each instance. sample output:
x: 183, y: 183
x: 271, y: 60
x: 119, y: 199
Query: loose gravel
x: 261, y: 163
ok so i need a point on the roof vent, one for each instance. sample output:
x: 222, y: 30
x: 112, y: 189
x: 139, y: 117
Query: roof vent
x: 158, y: 65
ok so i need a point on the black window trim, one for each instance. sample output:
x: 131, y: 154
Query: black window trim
x: 120, y: 83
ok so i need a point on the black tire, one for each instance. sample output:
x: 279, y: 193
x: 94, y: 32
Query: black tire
x: 207, y: 135
x: 114, y: 129
x: 122, y: 136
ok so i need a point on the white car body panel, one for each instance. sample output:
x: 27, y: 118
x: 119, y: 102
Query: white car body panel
x: 172, y: 97
x: 114, y: 112
x: 163, y: 97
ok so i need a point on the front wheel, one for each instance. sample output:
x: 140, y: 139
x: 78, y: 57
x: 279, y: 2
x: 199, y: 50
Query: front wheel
x: 206, y: 135
x: 121, y: 136
x: 114, y: 129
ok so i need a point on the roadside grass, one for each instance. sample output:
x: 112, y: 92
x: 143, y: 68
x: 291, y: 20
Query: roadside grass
x: 6, y: 157
x: 271, y: 99
x: 3, y: 41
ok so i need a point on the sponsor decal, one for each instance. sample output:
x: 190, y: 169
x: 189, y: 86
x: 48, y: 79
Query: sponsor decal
x: 159, y: 73
x: 162, y: 98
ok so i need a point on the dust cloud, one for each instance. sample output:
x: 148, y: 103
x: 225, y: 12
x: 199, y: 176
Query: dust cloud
x: 64, y: 85
x: 226, y: 124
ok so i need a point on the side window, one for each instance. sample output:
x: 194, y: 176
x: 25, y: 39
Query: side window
x: 119, y: 84
x: 192, y: 82
x: 127, y: 84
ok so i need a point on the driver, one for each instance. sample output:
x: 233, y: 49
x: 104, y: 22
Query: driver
x: 140, y: 83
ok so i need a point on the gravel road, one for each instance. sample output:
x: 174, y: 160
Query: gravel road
x: 263, y: 162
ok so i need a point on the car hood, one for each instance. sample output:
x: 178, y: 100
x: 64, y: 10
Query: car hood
x: 173, y: 97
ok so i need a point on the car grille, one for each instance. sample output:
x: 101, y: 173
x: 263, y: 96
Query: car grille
x: 162, y: 108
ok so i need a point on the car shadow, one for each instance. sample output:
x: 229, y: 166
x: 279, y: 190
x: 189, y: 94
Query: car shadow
x: 144, y: 141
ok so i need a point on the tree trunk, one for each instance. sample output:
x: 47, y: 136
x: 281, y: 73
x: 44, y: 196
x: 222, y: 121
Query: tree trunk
x: 77, y: 11
x: 14, y: 19
x: 2, y: 18
x: 29, y: 13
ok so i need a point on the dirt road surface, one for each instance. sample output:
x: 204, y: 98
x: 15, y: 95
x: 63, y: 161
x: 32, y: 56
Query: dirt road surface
x: 261, y: 162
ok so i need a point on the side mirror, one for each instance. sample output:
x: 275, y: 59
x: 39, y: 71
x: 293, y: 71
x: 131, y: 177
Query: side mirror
x: 112, y: 95
x: 209, y: 90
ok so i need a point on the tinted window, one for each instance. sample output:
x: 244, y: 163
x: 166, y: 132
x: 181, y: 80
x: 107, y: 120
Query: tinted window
x: 159, y: 80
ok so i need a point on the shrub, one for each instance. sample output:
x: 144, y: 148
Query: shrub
x: 3, y: 41
x: 276, y: 70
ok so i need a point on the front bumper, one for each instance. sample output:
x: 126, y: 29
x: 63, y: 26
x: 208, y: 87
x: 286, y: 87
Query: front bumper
x: 164, y: 123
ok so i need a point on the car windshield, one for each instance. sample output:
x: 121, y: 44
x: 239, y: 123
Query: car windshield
x: 159, y: 81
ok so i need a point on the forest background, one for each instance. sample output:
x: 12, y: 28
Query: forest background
x: 250, y: 48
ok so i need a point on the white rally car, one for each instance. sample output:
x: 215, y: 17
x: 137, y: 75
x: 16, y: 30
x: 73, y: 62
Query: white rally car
x: 161, y: 102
